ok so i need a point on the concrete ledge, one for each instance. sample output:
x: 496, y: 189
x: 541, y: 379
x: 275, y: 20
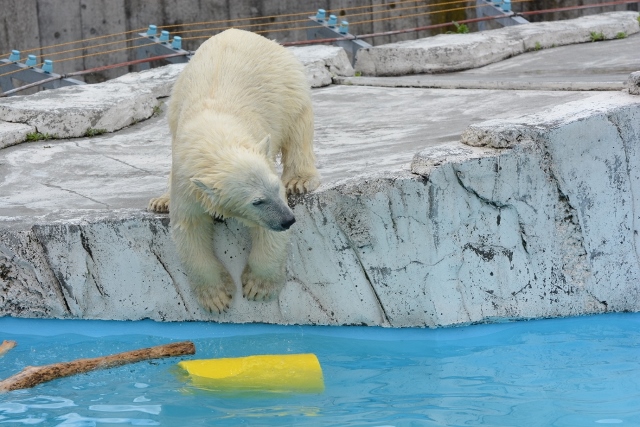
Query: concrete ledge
x: 13, y: 133
x: 633, y: 83
x: 526, y: 217
x: 323, y: 63
x: 531, y: 217
x: 72, y: 111
x: 503, y: 84
x: 77, y: 110
x: 452, y: 52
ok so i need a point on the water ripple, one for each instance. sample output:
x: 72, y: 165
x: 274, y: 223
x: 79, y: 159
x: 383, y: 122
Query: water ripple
x: 148, y: 409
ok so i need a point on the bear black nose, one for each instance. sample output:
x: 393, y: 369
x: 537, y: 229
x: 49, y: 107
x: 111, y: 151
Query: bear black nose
x: 287, y: 223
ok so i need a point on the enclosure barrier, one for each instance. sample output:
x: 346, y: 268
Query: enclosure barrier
x: 151, y: 46
x: 28, y: 72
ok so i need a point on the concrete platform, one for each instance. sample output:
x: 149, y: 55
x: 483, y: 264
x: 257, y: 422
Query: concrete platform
x: 437, y: 207
x: 582, y: 67
x: 122, y: 170
x: 82, y: 110
x: 455, y: 52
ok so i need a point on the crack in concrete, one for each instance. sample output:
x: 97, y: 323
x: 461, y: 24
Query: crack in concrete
x: 463, y: 302
x: 603, y: 303
x: 489, y: 202
x: 488, y: 252
x: 87, y: 248
x: 611, y: 119
x: 521, y: 290
x: 567, y: 222
x: 366, y: 273
x: 38, y: 238
x: 120, y: 161
x: 173, y: 280
x: 373, y: 289
x: 76, y: 193
x: 499, y: 206
x: 314, y: 297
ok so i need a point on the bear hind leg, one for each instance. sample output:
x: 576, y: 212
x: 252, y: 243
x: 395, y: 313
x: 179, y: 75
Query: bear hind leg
x: 265, y: 273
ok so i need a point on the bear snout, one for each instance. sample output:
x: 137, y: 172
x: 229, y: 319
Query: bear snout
x: 287, y: 223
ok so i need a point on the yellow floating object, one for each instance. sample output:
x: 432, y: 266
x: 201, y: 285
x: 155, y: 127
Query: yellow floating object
x: 299, y: 373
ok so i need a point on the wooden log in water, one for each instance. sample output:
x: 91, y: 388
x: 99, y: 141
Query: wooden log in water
x: 6, y: 346
x: 34, y: 375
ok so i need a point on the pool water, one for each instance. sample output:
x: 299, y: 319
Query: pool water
x: 564, y: 372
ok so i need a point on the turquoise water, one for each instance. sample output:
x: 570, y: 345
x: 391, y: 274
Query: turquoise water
x: 565, y: 372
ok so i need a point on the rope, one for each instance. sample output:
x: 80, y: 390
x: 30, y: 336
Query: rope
x: 464, y: 21
x: 277, y: 30
x: 86, y: 47
x: 92, y: 70
x: 360, y: 22
x: 77, y: 41
x: 266, y: 24
x: 84, y: 56
x: 585, y: 6
x: 422, y: 13
x: 313, y: 12
x: 372, y: 6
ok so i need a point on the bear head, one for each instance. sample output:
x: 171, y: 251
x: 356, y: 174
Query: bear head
x: 245, y: 186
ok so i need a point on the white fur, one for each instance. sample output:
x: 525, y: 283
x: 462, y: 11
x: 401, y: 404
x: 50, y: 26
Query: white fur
x: 240, y: 101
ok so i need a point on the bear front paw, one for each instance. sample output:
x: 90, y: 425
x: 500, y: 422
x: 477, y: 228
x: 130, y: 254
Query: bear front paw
x: 256, y: 288
x: 159, y: 204
x: 299, y: 185
x: 216, y: 298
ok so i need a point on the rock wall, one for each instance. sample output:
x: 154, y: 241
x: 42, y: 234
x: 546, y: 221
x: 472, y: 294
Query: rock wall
x: 74, y: 111
x: 40, y: 24
x: 450, y: 52
x: 525, y: 218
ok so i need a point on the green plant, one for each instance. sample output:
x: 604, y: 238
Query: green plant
x: 621, y: 35
x: 358, y: 74
x: 39, y: 136
x: 538, y: 46
x: 94, y: 132
x: 596, y: 37
x: 157, y: 110
x: 460, y: 28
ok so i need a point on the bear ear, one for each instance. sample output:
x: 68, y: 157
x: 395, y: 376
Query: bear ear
x: 211, y: 192
x: 264, y: 146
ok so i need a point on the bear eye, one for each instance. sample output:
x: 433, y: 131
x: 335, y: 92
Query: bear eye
x: 258, y: 202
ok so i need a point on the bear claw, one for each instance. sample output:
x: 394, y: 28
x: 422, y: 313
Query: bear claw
x: 159, y: 204
x: 301, y: 185
x: 256, y: 288
x: 216, y: 299
x: 214, y: 302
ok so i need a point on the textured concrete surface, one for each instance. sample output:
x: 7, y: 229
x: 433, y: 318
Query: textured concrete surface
x: 538, y: 220
x: 585, y: 66
x: 455, y: 52
x: 323, y: 63
x: 76, y: 111
x: 633, y: 83
x: 438, y: 207
x: 122, y: 170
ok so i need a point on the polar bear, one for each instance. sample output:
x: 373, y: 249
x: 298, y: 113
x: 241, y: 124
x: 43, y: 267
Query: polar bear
x: 239, y: 102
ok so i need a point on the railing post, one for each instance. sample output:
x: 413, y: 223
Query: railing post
x: 149, y: 44
x: 320, y: 28
x: 497, y: 8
